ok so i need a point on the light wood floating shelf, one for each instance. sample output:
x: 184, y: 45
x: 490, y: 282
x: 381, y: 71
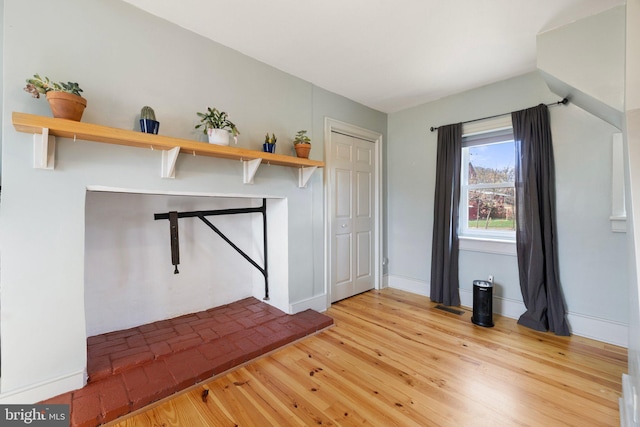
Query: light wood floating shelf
x: 48, y: 126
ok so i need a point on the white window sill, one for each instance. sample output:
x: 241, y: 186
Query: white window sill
x: 486, y: 245
x: 618, y: 224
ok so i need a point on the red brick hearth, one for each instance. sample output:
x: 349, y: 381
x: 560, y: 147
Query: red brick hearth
x: 132, y: 368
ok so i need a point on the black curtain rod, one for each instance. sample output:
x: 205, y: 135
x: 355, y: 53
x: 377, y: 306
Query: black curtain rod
x: 562, y: 101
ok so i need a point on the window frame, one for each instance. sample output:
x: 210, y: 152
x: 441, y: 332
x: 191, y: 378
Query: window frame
x: 484, y: 132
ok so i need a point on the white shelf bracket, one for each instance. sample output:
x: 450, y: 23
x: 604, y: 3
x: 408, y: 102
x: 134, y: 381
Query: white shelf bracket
x: 250, y: 167
x: 304, y: 174
x: 44, y: 150
x: 169, y: 158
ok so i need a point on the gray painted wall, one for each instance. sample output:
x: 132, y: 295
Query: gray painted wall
x: 124, y: 58
x: 593, y: 259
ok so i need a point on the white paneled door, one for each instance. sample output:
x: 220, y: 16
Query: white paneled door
x: 352, y: 218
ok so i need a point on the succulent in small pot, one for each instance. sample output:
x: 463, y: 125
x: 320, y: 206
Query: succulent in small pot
x: 269, y: 145
x: 148, y: 122
x: 217, y: 126
x: 302, y: 144
x: 64, y: 98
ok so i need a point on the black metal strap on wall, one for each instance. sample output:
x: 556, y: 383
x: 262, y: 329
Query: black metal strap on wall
x: 175, y: 241
x: 175, y: 247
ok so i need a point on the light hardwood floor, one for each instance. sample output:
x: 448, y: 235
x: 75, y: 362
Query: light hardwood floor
x: 392, y: 359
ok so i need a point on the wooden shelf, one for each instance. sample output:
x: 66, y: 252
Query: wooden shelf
x: 33, y: 124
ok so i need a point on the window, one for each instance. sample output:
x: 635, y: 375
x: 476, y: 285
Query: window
x: 487, y: 193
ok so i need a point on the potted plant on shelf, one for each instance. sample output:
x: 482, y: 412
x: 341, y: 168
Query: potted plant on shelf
x: 302, y: 144
x: 64, y: 98
x: 269, y: 145
x: 216, y: 125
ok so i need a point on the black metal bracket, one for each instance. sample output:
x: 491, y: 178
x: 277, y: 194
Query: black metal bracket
x: 175, y: 247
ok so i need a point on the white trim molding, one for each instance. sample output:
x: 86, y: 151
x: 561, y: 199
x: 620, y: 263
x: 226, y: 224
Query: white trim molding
x: 595, y: 328
x: 628, y: 403
x: 333, y: 125
x: 491, y: 124
x: 410, y: 285
x: 618, y: 211
x: 317, y: 303
x: 385, y: 281
x: 490, y: 246
x: 44, y: 390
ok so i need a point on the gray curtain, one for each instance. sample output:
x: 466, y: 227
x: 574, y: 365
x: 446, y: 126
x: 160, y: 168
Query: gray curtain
x: 536, y: 222
x: 444, y: 255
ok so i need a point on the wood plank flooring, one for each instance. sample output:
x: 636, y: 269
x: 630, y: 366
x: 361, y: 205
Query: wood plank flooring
x: 392, y: 359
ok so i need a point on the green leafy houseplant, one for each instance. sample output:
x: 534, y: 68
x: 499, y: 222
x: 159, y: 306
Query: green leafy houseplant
x: 64, y: 98
x: 301, y: 138
x: 38, y: 85
x: 302, y: 144
x: 215, y: 119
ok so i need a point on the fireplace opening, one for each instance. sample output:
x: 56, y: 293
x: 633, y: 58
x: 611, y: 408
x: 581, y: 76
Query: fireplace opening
x: 129, y: 276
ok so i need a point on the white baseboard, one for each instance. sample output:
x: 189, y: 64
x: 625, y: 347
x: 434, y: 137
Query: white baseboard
x: 582, y: 325
x: 604, y: 330
x: 317, y: 303
x: 385, y: 281
x: 44, y: 390
x: 410, y: 285
x: 599, y: 329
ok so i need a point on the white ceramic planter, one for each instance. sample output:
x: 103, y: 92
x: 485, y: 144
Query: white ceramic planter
x: 218, y: 136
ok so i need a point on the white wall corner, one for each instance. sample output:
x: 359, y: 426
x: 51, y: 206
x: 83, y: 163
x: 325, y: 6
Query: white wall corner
x: 317, y: 303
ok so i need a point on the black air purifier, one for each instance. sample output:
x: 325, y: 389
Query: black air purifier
x: 482, y: 303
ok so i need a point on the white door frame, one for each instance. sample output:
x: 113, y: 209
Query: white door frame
x: 332, y: 125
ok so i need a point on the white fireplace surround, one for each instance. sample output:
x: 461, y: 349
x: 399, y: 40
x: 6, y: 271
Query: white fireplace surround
x: 97, y: 261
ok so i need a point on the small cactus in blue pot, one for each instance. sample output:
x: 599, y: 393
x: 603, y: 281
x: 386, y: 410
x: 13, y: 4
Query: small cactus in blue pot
x: 269, y: 145
x: 148, y: 122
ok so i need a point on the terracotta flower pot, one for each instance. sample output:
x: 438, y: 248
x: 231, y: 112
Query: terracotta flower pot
x: 302, y: 150
x: 66, y: 105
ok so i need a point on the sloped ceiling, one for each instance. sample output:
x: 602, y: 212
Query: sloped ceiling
x: 388, y: 55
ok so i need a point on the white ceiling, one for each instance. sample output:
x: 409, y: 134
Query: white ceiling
x: 386, y: 54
